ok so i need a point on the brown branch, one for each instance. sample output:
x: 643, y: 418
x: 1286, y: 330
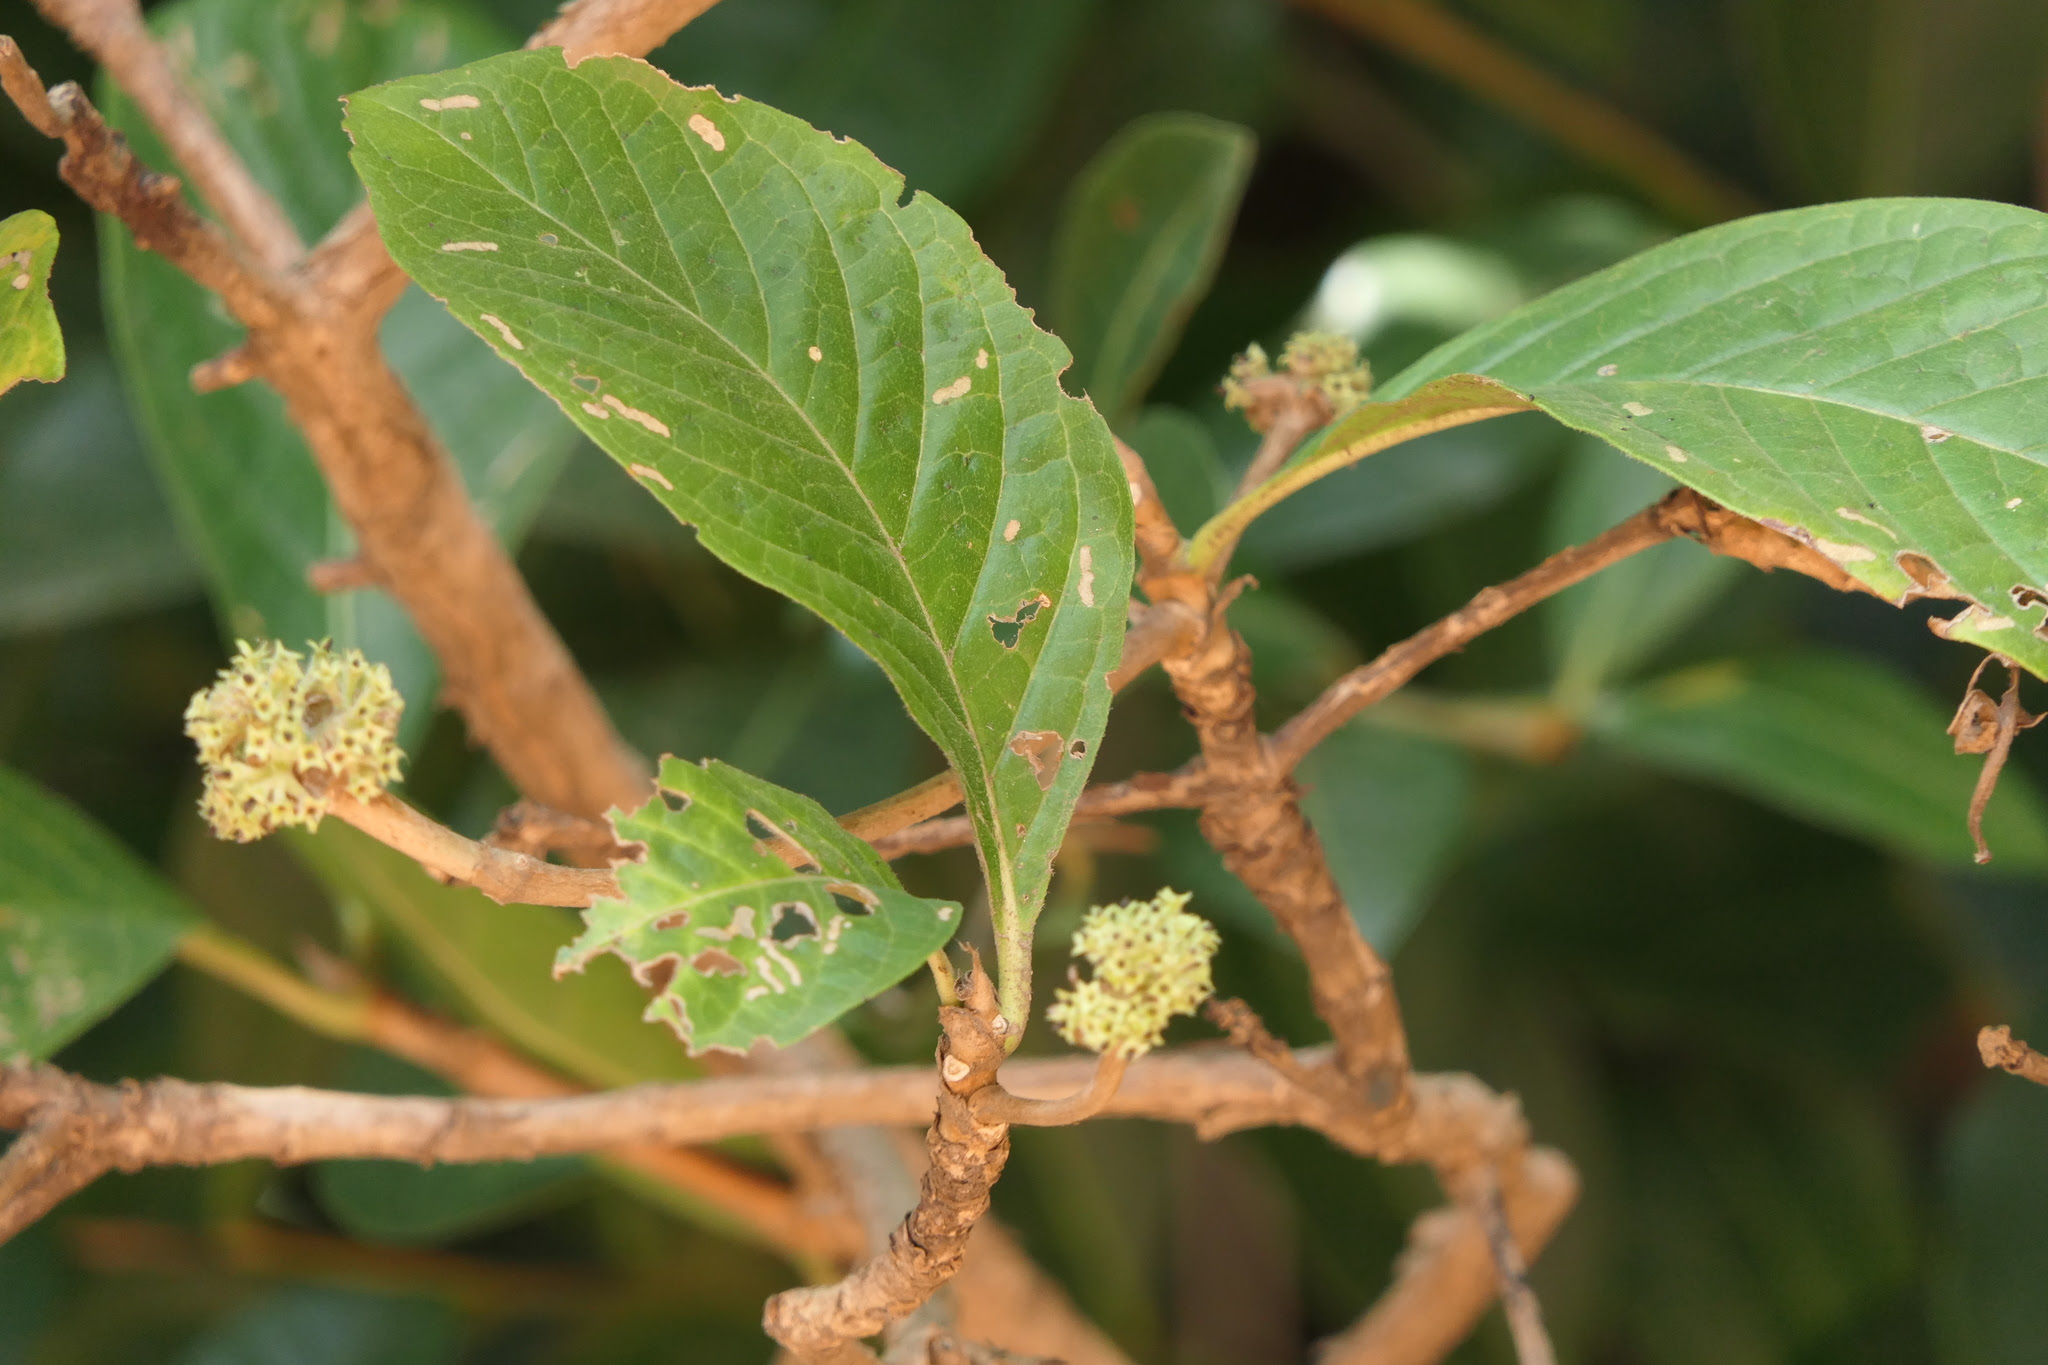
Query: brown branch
x: 1681, y: 513
x: 342, y: 1005
x: 1445, y: 1279
x: 825, y: 1323
x: 1438, y: 40
x: 113, y: 33
x: 1141, y: 792
x: 505, y: 876
x: 531, y: 828
x: 1511, y: 1272
x: 1999, y: 1048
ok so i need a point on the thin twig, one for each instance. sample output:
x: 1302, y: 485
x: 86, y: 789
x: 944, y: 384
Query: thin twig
x: 1435, y: 38
x: 1517, y: 1300
x: 994, y: 1104
x: 507, y: 877
x: 351, y: 1011
x: 113, y: 32
x: 1999, y: 1048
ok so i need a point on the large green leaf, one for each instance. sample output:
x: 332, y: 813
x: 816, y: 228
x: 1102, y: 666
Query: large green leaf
x: 1139, y: 240
x: 754, y: 916
x: 494, y: 959
x: 1865, y: 376
x: 31, y: 346
x: 83, y: 924
x: 239, y: 476
x: 837, y: 389
x: 1831, y: 739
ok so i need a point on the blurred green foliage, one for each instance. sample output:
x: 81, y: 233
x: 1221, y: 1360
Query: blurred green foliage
x: 1678, y: 858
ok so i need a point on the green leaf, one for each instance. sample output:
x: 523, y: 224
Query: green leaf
x: 238, y: 475
x: 755, y: 916
x: 837, y: 389
x: 31, y: 346
x: 495, y: 960
x: 84, y: 532
x: 1862, y: 376
x: 1606, y: 628
x: 83, y: 923
x: 1831, y: 739
x: 1139, y: 240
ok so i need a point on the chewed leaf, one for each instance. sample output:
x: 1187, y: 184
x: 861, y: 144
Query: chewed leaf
x: 824, y: 377
x: 31, y: 346
x: 755, y: 916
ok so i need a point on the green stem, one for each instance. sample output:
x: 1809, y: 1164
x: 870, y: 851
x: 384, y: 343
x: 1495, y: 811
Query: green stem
x: 238, y: 963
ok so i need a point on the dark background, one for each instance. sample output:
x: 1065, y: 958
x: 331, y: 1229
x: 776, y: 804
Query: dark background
x: 1742, y: 1003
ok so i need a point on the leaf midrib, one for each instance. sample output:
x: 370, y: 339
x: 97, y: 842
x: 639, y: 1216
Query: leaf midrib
x: 826, y: 446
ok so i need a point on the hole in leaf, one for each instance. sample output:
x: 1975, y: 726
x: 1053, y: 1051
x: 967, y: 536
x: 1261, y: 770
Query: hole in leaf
x: 1078, y: 749
x: 1008, y: 630
x: 852, y: 899
x: 2024, y: 596
x: 657, y: 974
x: 793, y: 920
x: 758, y: 826
x: 674, y: 800
x: 717, y: 962
x: 587, y: 383
x: 549, y: 239
x: 1042, y: 750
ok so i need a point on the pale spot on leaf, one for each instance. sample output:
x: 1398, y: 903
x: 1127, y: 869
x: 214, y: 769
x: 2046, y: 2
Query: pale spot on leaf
x: 817, y: 354
x: 981, y: 360
x: 506, y: 332
x: 706, y: 129
x: 1844, y: 554
x: 1087, y: 584
x: 957, y: 389
x: 598, y: 411
x: 2013, y: 502
x: 21, y: 281
x: 1675, y: 455
x: 469, y: 246
x: 1636, y: 409
x: 1010, y: 531
x: 648, y: 420
x: 1934, y: 435
x: 651, y: 474
x: 1851, y: 514
x: 1608, y: 371
x: 452, y: 102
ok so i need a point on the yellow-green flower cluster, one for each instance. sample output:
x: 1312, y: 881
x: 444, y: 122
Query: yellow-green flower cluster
x: 1151, y: 962
x: 280, y: 732
x: 1324, y: 359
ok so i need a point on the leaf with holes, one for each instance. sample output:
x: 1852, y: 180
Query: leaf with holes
x: 755, y: 916
x: 83, y: 923
x: 31, y: 346
x: 1867, y: 377
x: 836, y: 388
x: 1139, y: 240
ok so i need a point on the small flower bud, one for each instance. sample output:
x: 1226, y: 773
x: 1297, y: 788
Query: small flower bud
x: 1319, y: 362
x: 1150, y: 961
x: 279, y: 732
